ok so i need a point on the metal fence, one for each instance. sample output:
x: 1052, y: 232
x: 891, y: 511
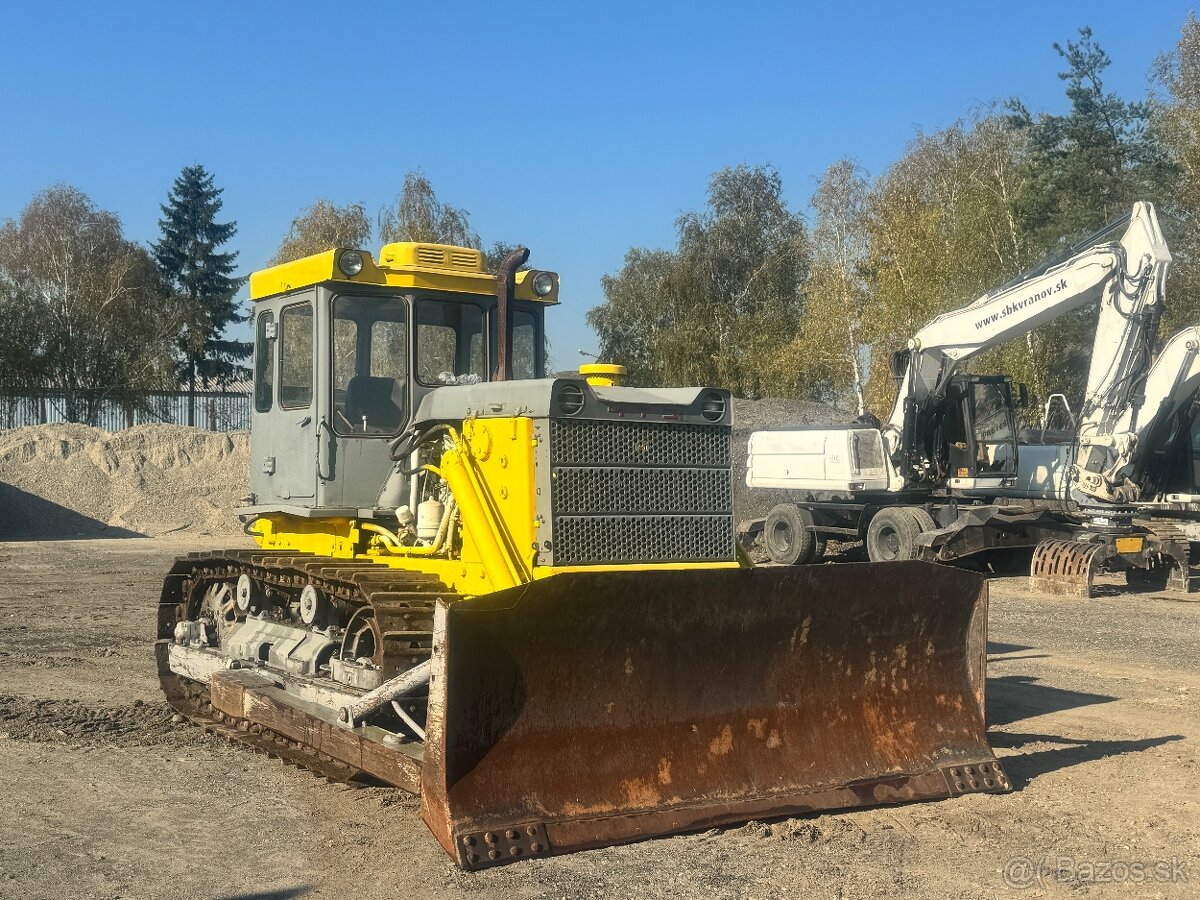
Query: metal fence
x: 227, y: 410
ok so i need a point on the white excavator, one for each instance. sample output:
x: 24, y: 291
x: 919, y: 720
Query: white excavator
x: 948, y: 477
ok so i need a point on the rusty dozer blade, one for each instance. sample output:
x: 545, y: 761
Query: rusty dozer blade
x: 595, y: 708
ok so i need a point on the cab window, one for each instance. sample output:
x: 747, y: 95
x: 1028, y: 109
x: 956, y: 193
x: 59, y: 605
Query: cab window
x: 264, y: 362
x: 296, y: 356
x: 995, y: 441
x: 450, y: 342
x: 528, y: 352
x: 370, y: 365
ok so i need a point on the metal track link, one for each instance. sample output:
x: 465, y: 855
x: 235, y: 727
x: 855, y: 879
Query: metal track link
x: 403, y: 601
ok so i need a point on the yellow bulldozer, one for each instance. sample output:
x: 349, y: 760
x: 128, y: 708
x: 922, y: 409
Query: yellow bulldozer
x: 521, y: 597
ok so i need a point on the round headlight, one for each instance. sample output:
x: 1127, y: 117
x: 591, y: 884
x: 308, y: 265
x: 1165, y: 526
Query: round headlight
x: 543, y: 283
x: 350, y: 262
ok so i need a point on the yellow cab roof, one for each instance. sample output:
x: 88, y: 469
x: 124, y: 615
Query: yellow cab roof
x: 405, y: 265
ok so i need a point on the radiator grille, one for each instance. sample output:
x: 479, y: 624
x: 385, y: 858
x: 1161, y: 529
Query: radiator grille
x: 584, y: 540
x: 590, y: 443
x: 640, y: 492
x: 594, y: 490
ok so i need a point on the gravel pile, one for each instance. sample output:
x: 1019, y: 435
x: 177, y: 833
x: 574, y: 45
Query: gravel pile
x: 757, y: 415
x: 70, y: 480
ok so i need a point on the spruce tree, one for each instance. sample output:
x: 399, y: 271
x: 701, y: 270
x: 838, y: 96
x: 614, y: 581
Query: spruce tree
x: 202, y: 280
x: 1088, y: 165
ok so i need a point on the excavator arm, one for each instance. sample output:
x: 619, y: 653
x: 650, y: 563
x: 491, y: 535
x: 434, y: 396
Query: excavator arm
x: 1126, y: 277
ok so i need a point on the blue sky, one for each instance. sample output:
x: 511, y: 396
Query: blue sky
x: 580, y: 130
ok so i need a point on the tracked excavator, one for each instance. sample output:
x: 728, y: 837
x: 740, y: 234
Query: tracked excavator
x: 948, y: 477
x: 521, y: 598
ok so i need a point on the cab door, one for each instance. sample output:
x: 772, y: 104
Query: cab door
x: 292, y: 421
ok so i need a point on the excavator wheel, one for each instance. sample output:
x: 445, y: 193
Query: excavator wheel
x: 922, y: 517
x: 892, y: 534
x: 788, y: 536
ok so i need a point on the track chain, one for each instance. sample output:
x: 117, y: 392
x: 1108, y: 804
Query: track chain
x: 409, y: 597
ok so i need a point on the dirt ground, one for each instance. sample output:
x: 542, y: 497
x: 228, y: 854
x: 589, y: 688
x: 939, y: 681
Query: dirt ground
x: 1092, y: 707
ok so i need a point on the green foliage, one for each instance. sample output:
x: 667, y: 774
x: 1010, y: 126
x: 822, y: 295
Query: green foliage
x: 1088, y: 166
x: 637, y: 321
x: 201, y: 278
x: 417, y: 215
x: 725, y: 304
x: 968, y: 208
x: 85, y: 312
x: 324, y: 226
x: 829, y: 347
x: 1176, y: 123
x: 941, y: 231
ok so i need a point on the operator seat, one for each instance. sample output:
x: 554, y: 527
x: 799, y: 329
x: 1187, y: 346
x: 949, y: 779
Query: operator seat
x: 379, y: 399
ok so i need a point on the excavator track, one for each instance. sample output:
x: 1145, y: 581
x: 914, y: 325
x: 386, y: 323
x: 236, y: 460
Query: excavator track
x: 391, y: 607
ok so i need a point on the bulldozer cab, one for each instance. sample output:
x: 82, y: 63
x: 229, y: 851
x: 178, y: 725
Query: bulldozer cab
x: 346, y: 349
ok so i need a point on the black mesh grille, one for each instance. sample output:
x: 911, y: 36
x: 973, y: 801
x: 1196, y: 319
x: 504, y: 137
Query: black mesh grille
x: 596, y: 490
x: 583, y: 540
x: 640, y: 492
x: 591, y: 443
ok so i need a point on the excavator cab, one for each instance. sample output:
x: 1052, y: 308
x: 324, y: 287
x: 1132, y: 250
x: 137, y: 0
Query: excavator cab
x: 966, y: 434
x: 980, y: 430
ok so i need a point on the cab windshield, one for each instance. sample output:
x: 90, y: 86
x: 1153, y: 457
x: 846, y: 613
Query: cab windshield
x: 450, y: 342
x: 370, y: 365
x: 451, y: 346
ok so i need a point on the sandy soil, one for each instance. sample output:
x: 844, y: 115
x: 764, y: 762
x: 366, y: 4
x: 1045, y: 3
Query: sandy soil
x: 1092, y: 707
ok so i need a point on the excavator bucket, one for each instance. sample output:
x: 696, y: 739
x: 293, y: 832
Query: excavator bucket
x: 593, y: 708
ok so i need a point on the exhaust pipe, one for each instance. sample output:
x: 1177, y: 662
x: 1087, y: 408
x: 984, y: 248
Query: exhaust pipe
x: 505, y: 286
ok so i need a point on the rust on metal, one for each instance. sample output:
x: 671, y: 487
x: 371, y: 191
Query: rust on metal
x: 1066, y: 567
x: 593, y: 708
x: 613, y: 706
x: 481, y: 849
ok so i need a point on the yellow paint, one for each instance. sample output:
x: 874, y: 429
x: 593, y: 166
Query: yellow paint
x: 408, y: 265
x: 491, y: 474
x: 603, y: 374
x: 1129, y: 545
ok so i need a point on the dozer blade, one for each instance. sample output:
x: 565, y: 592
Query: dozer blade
x: 589, y: 709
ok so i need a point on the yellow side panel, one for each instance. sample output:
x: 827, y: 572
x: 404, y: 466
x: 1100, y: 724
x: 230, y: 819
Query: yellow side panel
x: 503, y: 451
